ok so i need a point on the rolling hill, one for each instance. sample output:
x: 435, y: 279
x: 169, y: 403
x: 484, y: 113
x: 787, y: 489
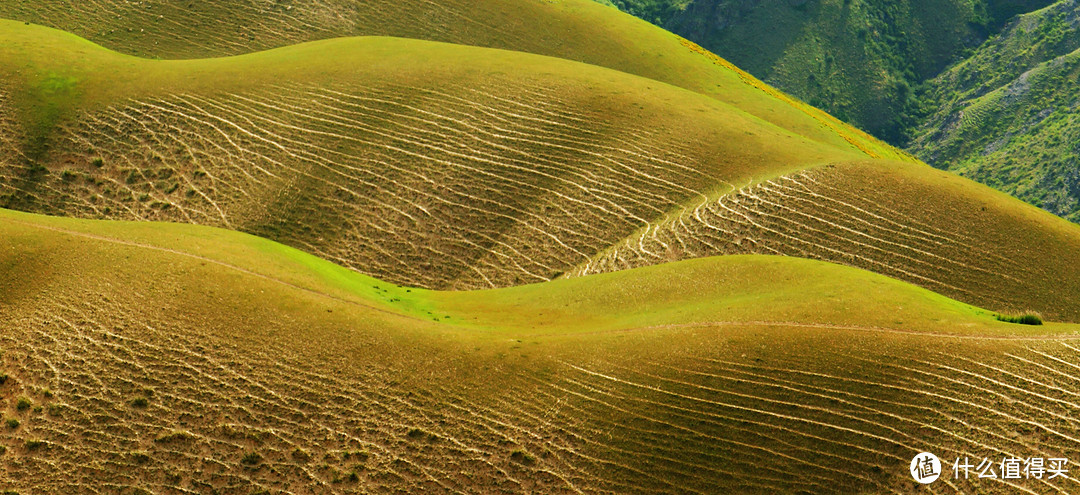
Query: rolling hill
x: 429, y: 165
x: 253, y: 367
x: 323, y: 246
x: 579, y: 30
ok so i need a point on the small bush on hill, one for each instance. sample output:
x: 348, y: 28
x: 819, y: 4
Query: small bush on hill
x: 1024, y: 319
x: 23, y: 404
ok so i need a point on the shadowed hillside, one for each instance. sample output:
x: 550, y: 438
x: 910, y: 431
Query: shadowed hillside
x: 426, y: 164
x: 860, y: 60
x: 251, y: 366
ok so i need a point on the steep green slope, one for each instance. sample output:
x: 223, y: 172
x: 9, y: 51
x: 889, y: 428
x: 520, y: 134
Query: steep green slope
x: 579, y: 30
x: 1005, y: 116
x: 171, y: 358
x: 429, y: 165
x: 859, y: 60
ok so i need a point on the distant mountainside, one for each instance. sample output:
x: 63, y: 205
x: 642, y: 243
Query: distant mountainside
x: 1007, y: 116
x: 859, y: 60
x: 970, y: 87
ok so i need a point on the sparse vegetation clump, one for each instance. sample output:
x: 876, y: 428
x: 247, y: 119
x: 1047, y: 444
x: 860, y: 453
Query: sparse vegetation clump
x: 251, y: 459
x: 34, y: 444
x: 358, y: 456
x: 12, y: 423
x: 3, y: 378
x: 522, y: 457
x: 417, y: 433
x: 1022, y: 319
x: 140, y: 457
x: 140, y: 402
x: 301, y: 455
x: 23, y: 404
x: 175, y: 437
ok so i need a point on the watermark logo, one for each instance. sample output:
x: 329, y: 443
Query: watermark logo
x: 926, y: 468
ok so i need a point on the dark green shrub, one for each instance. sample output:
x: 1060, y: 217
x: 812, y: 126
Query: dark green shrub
x: 1024, y: 319
x: 251, y: 459
x: 140, y: 402
x: 97, y: 162
x: 12, y: 423
x: 23, y: 404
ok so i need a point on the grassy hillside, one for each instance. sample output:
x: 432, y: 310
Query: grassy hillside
x: 859, y: 60
x: 1005, y: 116
x: 429, y: 165
x: 248, y: 366
x: 579, y: 30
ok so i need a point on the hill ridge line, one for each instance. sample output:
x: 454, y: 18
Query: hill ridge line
x: 243, y: 270
x: 828, y: 326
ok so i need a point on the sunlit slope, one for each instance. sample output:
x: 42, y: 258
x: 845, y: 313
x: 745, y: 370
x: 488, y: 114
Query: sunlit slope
x: 579, y: 30
x: 408, y: 160
x: 263, y: 368
x: 432, y: 165
x: 914, y: 223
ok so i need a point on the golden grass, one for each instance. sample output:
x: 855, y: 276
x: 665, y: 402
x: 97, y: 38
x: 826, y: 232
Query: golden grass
x: 748, y: 374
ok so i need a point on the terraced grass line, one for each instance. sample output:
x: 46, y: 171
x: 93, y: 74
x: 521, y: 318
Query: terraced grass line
x: 814, y: 214
x: 603, y: 189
